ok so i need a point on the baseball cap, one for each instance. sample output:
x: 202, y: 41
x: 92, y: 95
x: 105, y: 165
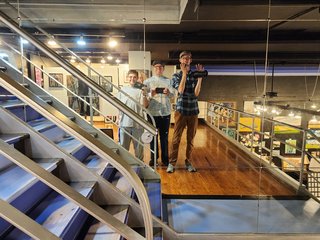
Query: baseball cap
x: 184, y: 53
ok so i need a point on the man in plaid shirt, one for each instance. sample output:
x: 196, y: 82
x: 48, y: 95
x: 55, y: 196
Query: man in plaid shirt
x: 187, y: 110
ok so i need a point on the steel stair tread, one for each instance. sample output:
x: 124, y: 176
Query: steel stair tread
x: 100, y: 231
x: 14, y: 137
x: 14, y: 180
x: 55, y: 212
x: 69, y: 144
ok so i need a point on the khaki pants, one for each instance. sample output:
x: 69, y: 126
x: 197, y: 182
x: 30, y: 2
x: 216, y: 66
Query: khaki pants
x: 181, y: 121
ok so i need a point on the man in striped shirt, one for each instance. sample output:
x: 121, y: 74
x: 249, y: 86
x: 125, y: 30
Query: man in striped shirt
x: 187, y: 110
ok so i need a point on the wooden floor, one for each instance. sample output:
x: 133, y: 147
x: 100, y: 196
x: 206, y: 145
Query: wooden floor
x: 223, y: 169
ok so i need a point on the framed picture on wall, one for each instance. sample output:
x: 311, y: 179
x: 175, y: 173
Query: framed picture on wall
x: 223, y: 114
x: 106, y: 83
x: 290, y: 149
x: 38, y: 76
x: 58, y: 77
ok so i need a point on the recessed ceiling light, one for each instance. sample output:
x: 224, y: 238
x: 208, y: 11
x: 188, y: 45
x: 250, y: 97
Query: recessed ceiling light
x: 72, y: 60
x: 88, y: 60
x: 81, y: 41
x: 112, y: 43
x: 118, y: 60
x: 103, y: 61
x: 109, y: 57
x: 313, y: 106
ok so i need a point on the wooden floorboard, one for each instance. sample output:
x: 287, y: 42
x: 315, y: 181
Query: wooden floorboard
x: 223, y: 170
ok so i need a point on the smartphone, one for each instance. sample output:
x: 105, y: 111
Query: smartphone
x: 159, y: 90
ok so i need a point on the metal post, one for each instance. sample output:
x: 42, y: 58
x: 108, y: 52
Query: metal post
x: 302, y: 158
x: 252, y: 133
x: 271, y: 142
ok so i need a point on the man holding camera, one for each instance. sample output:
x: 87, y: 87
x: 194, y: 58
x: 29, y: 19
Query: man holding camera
x: 187, y: 110
x: 160, y: 108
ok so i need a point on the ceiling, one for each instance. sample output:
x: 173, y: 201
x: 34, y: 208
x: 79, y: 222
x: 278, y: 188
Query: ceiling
x: 216, y: 31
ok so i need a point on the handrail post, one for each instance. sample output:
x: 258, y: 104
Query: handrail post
x: 302, y: 158
x: 271, y: 142
x: 227, y: 123
x: 238, y: 126
x: 252, y: 133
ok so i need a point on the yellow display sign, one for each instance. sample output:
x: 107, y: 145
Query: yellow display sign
x: 246, y: 124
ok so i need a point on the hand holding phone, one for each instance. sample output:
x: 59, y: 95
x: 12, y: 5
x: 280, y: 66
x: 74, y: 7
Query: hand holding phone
x: 159, y: 90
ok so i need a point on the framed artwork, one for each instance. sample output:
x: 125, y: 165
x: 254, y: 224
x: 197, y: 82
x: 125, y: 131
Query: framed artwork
x: 231, y: 132
x: 223, y: 114
x: 290, y: 149
x: 38, y: 76
x: 72, y: 85
x: 58, y: 77
x: 125, y: 79
x: 106, y: 83
x: 285, y: 129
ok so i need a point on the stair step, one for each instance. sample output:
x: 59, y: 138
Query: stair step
x: 100, y: 231
x: 5, y: 97
x: 96, y: 164
x: 122, y: 183
x: 14, y: 138
x: 3, y: 69
x: 11, y: 104
x: 59, y: 215
x: 41, y: 124
x: 69, y: 144
x: 14, y: 180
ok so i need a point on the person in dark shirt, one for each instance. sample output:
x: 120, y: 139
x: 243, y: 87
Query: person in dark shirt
x: 83, y: 92
x: 187, y: 110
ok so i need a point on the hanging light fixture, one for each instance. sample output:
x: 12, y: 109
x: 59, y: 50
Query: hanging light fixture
x: 118, y: 60
x: 52, y: 42
x: 109, y: 57
x: 81, y: 41
x: 88, y: 60
x: 103, y: 61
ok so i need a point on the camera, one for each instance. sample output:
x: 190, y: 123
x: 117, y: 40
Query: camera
x: 159, y: 90
x: 200, y: 74
x: 139, y: 85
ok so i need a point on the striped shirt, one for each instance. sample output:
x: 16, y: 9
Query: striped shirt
x: 187, y: 102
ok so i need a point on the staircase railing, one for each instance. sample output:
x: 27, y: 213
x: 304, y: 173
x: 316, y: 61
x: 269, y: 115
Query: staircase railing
x: 133, y: 179
x: 261, y: 136
x: 96, y: 109
x: 64, y: 123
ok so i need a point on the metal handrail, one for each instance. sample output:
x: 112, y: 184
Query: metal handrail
x: 68, y: 90
x: 271, y: 135
x: 142, y: 196
x: 79, y: 59
x: 77, y: 73
x: 63, y: 122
